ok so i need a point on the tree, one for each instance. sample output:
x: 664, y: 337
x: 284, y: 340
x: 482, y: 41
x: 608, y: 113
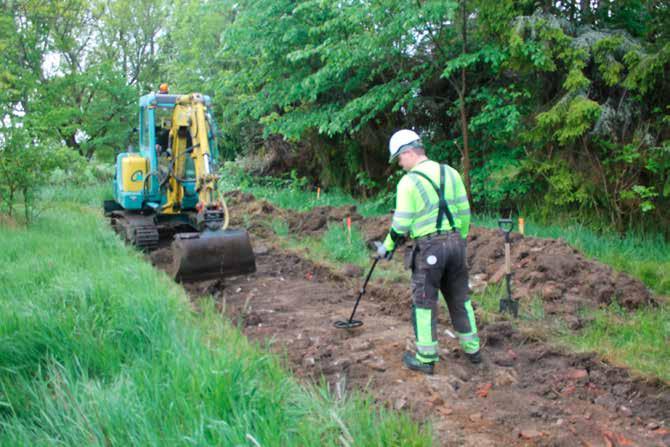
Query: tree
x: 25, y: 167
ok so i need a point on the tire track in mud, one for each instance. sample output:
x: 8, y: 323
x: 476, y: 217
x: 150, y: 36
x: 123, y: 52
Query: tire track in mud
x: 524, y: 393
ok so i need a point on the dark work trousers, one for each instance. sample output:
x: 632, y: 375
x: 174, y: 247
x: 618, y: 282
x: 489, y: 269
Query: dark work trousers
x: 439, y: 263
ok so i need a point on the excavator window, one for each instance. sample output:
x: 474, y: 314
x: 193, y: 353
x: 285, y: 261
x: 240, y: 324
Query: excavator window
x: 144, y: 127
x: 163, y: 124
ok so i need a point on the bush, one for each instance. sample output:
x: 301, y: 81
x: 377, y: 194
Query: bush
x: 25, y: 166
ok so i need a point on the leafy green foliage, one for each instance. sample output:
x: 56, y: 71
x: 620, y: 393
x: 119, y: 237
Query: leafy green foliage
x: 25, y: 167
x: 570, y: 119
x: 494, y: 88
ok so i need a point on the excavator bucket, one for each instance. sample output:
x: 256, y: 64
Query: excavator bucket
x: 211, y: 255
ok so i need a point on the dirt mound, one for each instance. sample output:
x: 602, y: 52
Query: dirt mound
x: 259, y: 211
x: 376, y: 228
x: 318, y: 218
x: 552, y: 270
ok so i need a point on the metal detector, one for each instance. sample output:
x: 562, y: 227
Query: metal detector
x: 351, y: 323
x: 508, y: 304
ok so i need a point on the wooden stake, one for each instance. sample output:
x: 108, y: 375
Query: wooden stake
x: 521, y: 225
x: 349, y: 229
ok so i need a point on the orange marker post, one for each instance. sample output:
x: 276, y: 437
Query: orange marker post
x: 349, y: 229
x: 521, y: 226
x: 318, y: 192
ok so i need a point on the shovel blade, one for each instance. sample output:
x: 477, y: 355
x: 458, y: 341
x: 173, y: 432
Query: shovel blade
x: 509, y: 305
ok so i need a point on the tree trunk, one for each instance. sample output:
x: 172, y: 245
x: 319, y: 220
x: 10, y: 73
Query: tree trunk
x: 10, y: 202
x: 26, y: 205
x: 71, y: 142
x: 462, y: 93
x: 584, y: 12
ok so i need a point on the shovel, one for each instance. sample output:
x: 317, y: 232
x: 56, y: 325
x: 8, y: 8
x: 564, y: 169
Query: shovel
x: 508, y: 304
x: 351, y: 323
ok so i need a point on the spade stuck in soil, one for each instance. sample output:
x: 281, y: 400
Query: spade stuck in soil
x: 507, y: 303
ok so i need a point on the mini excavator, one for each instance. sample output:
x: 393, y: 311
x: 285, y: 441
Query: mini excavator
x: 168, y: 191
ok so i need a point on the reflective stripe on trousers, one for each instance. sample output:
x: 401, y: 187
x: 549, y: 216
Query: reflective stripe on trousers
x: 440, y: 265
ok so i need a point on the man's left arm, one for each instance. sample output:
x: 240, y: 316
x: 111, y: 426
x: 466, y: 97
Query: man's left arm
x: 462, y: 206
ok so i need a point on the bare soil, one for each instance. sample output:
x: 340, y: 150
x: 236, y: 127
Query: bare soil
x: 525, y: 392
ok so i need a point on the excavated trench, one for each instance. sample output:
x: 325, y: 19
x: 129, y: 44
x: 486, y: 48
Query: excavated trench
x: 524, y: 393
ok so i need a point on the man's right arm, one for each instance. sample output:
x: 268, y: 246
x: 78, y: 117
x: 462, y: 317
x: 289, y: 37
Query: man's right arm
x: 403, y: 215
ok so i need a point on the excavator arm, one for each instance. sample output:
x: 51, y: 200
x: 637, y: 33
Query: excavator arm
x: 215, y: 250
x: 190, y: 138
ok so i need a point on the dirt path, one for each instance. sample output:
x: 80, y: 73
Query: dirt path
x: 524, y: 393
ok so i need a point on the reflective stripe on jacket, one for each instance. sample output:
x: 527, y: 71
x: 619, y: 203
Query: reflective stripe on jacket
x: 417, y: 203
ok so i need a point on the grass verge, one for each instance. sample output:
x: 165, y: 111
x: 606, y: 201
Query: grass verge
x: 639, y: 340
x: 98, y: 348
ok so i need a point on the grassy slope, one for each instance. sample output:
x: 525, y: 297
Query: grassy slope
x: 96, y: 347
x: 639, y: 340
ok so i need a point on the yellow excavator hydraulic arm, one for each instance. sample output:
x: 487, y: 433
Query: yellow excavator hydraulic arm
x: 189, y: 137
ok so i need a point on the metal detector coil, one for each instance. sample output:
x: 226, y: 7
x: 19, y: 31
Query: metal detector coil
x: 351, y: 323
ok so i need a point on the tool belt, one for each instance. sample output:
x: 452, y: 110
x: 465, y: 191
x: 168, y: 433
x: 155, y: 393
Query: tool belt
x: 414, y: 248
x: 443, y: 234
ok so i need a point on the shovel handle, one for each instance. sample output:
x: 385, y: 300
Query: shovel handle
x: 508, y: 259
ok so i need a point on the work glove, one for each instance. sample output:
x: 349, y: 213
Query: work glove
x: 382, y: 253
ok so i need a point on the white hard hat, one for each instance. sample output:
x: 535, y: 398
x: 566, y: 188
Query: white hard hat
x: 400, y: 141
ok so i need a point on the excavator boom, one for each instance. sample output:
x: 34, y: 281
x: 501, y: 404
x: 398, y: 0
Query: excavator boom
x: 214, y: 250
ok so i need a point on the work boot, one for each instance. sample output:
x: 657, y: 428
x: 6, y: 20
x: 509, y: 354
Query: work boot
x: 415, y: 364
x: 474, y: 358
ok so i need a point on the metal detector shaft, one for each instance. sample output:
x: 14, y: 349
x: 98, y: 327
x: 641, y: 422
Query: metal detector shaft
x: 362, y: 291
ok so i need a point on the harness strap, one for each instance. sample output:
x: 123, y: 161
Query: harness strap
x: 443, y: 209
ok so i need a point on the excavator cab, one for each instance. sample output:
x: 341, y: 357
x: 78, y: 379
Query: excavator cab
x: 168, y: 191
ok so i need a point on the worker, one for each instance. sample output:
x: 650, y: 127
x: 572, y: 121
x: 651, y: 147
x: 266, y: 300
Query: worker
x: 432, y: 210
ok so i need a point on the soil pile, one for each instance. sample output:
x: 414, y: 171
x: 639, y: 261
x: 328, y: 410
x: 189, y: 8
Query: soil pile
x: 550, y: 269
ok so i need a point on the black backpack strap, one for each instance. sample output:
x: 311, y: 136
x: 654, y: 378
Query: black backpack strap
x: 443, y: 209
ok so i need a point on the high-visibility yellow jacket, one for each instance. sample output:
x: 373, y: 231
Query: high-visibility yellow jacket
x: 417, y: 203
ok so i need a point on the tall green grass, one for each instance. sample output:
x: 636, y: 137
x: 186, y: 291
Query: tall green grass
x: 340, y: 245
x: 98, y: 348
x: 640, y: 339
